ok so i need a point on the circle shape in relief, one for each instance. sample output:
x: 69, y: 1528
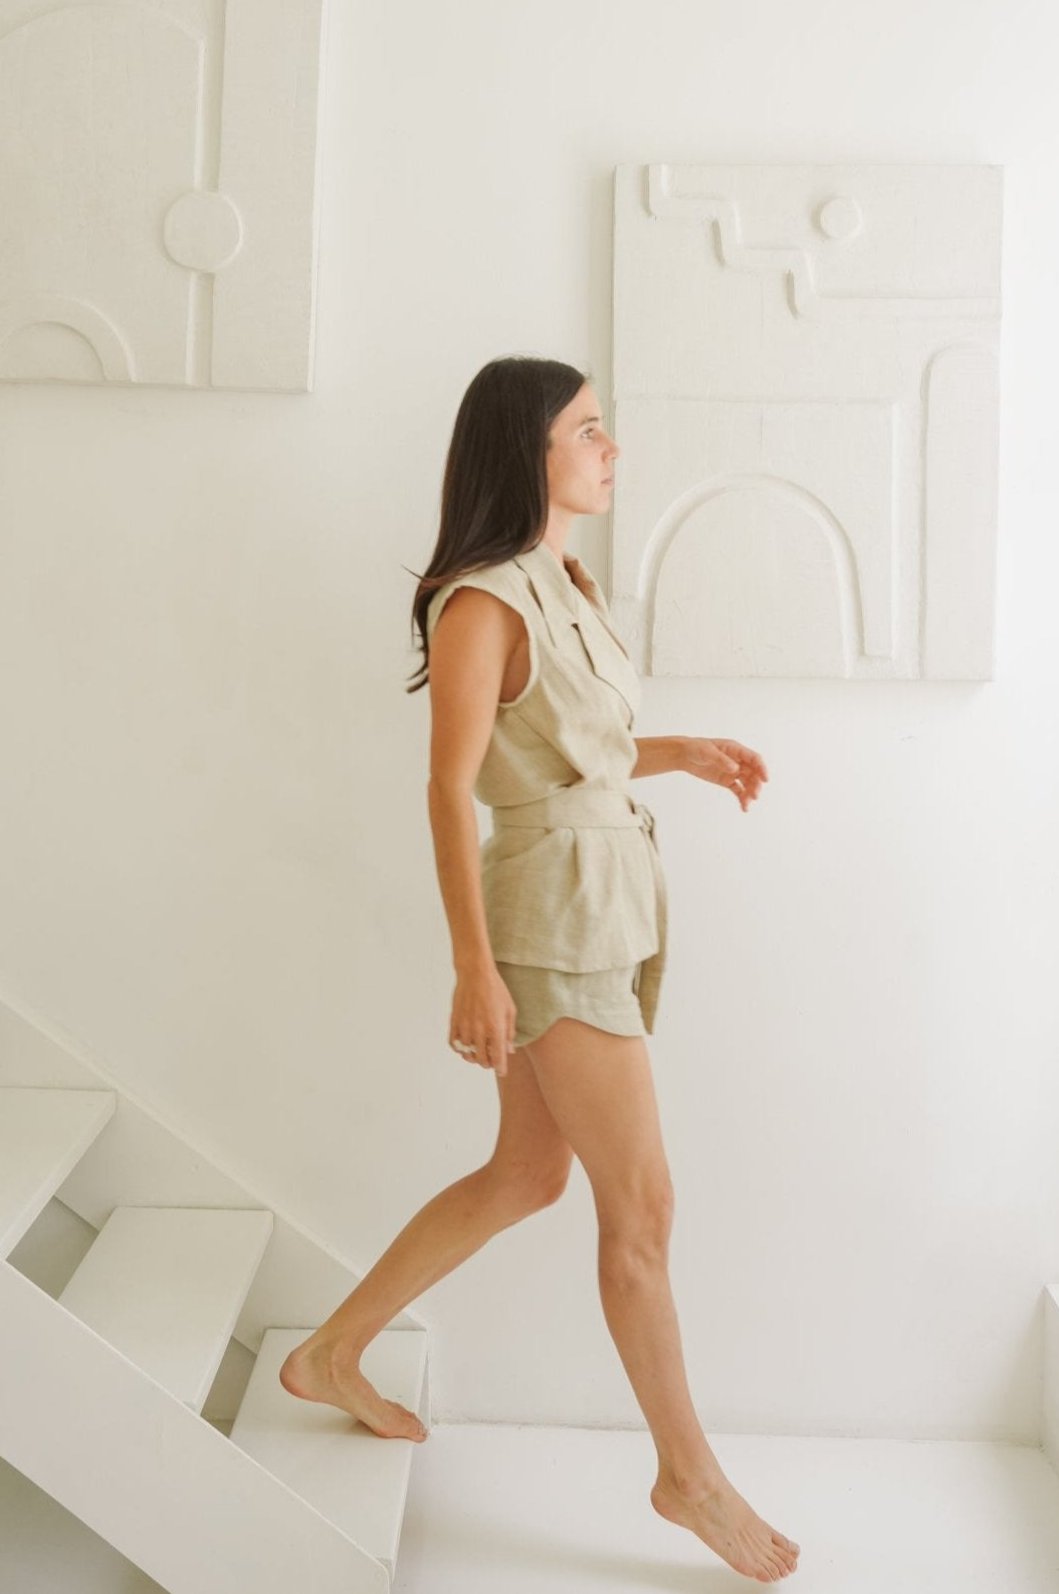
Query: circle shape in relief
x: 839, y: 217
x: 203, y: 230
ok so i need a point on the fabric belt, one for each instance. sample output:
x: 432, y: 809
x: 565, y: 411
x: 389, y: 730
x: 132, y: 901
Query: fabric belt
x: 604, y: 807
x: 575, y: 806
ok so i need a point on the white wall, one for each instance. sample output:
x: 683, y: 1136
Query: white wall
x: 216, y: 865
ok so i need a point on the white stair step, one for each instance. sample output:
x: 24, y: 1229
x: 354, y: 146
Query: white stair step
x: 165, y: 1285
x: 147, y: 1474
x: 355, y: 1478
x: 43, y: 1135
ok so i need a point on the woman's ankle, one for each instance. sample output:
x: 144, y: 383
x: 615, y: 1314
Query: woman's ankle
x: 691, y: 1479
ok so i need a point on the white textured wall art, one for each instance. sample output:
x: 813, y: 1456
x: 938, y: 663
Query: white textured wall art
x: 806, y: 395
x: 158, y: 191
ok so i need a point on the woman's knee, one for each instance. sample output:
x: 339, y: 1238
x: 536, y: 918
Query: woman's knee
x: 635, y: 1226
x: 529, y: 1186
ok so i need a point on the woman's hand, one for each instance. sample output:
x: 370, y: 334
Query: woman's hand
x: 482, y: 1026
x: 726, y: 763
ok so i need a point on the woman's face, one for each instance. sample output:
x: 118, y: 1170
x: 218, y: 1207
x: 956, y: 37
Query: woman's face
x: 581, y: 457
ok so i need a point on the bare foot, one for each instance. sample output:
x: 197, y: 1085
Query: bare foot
x: 723, y: 1519
x: 317, y: 1374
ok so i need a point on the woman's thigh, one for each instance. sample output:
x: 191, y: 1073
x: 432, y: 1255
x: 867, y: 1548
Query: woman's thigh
x: 599, y: 1089
x: 529, y: 1142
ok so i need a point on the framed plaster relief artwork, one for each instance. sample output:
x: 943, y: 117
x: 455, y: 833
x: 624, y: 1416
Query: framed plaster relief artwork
x: 158, y: 191
x: 806, y: 393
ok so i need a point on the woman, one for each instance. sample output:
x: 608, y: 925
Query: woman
x: 557, y: 921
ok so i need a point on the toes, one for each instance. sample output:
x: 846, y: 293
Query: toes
x: 411, y: 1421
x: 770, y: 1570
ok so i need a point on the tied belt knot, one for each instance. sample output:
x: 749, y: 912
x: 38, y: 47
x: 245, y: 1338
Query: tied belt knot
x: 603, y: 807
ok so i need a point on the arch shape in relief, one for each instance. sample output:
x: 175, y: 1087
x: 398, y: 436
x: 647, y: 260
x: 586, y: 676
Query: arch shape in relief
x: 750, y: 575
x: 99, y: 332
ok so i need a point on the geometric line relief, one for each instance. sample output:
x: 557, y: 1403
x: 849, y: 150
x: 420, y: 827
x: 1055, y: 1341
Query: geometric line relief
x: 962, y: 393
x: 158, y: 192
x: 805, y: 389
x: 839, y: 218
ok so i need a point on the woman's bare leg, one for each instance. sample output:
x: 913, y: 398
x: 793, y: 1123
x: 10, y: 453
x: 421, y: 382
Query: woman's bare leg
x: 600, y: 1091
x: 527, y: 1171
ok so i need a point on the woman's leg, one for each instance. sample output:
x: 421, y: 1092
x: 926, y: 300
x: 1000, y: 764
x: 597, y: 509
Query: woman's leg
x: 527, y: 1171
x: 600, y: 1091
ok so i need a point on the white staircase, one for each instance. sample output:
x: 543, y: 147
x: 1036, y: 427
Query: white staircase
x: 188, y: 1285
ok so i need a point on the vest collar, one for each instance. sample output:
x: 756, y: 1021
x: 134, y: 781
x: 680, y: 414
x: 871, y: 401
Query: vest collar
x: 554, y: 583
x: 553, y: 586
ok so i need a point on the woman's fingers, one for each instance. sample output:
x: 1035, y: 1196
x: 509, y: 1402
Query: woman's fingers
x: 487, y: 1051
x: 751, y: 773
x: 498, y: 1050
x: 482, y: 1025
x: 752, y: 760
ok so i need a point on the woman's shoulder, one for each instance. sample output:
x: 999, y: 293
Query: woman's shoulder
x: 505, y: 579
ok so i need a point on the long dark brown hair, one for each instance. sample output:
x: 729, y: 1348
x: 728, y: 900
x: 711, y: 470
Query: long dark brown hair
x: 494, y: 494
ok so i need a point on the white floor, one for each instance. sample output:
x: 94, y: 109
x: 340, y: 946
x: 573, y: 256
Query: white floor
x: 513, y: 1509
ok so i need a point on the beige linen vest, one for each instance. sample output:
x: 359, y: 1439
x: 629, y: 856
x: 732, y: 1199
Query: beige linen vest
x: 571, y: 875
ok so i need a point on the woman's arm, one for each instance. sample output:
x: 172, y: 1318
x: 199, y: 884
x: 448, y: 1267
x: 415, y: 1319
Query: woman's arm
x: 475, y: 636
x: 473, y: 640
x: 720, y: 760
x: 456, y: 854
x: 660, y: 755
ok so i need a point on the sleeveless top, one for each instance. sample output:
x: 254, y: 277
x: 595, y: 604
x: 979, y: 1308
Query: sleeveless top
x: 571, y: 875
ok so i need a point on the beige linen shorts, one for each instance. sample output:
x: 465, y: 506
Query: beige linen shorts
x: 604, y: 997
